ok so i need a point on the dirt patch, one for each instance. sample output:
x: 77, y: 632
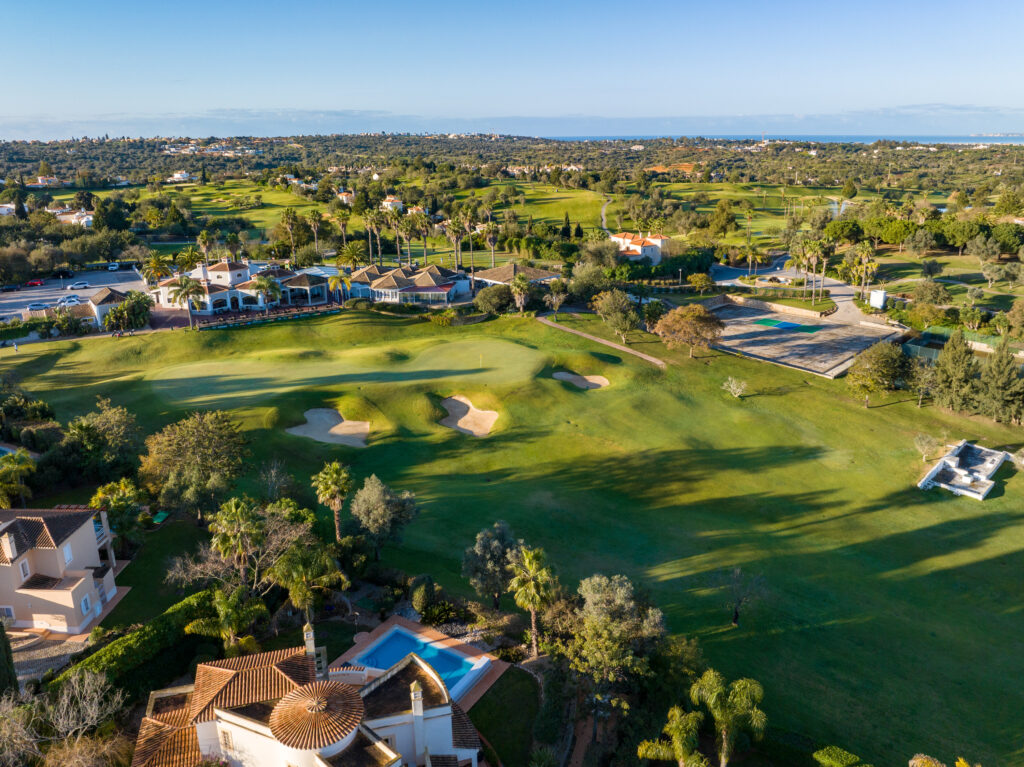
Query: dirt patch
x: 583, y: 382
x: 462, y: 416
x: 326, y: 425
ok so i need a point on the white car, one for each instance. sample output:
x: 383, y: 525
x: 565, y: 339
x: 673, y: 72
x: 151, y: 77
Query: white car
x: 37, y: 307
x: 77, y: 285
x: 69, y: 301
x: 114, y: 267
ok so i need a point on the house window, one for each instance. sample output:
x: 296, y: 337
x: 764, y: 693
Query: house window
x: 86, y: 604
x: 227, y: 745
x: 6, y: 612
x: 67, y: 553
x: 24, y: 569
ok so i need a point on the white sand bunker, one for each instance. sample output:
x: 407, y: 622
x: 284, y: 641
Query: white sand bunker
x: 326, y: 425
x: 462, y: 416
x: 583, y: 382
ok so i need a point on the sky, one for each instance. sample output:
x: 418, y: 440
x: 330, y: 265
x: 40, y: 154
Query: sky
x: 427, y: 64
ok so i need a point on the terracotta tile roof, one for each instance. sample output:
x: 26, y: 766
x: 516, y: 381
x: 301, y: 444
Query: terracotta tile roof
x: 389, y: 694
x: 227, y: 266
x: 235, y: 682
x: 317, y: 715
x: 505, y: 274
x: 161, y: 745
x: 364, y: 752
x: 170, y: 282
x: 444, y: 760
x: 391, y: 281
x: 464, y: 734
x: 42, y: 528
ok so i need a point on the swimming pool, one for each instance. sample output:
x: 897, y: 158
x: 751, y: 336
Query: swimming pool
x: 458, y: 671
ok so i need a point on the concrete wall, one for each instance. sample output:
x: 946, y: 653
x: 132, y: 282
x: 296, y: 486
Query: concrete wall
x: 772, y: 307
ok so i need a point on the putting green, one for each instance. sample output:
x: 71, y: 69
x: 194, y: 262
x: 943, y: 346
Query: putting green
x: 248, y: 379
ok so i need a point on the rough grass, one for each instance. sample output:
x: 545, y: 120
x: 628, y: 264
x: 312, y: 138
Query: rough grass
x: 876, y: 591
x: 505, y: 716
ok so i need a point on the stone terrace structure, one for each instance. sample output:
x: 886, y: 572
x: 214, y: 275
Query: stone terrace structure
x: 966, y: 469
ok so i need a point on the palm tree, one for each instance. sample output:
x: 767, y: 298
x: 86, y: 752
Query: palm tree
x: 352, y: 254
x: 408, y: 229
x: 290, y: 220
x: 233, y: 243
x: 15, y: 469
x: 188, y: 259
x: 205, y: 241
x: 187, y: 291
x: 157, y: 266
x: 235, y: 612
x: 682, y: 730
x: 304, y: 572
x: 531, y: 584
x: 453, y: 231
x: 341, y: 217
x: 234, y: 530
x: 269, y: 288
x: 332, y: 484
x: 425, y: 227
x: 315, y: 220
x: 491, y: 236
x: 336, y: 281
x: 372, y: 220
x: 468, y: 220
x: 815, y: 253
x: 733, y: 707
x: 520, y: 288
x: 865, y: 253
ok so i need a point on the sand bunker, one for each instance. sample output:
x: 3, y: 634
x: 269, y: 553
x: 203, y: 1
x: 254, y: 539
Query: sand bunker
x: 325, y: 425
x: 462, y: 416
x: 583, y: 382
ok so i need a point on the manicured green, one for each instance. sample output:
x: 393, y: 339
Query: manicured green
x: 876, y: 590
x: 505, y: 716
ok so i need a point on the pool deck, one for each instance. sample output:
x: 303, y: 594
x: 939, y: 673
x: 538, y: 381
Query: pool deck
x: 496, y: 668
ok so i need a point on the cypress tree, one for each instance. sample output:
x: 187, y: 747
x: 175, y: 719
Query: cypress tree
x: 956, y: 372
x: 8, y: 676
x: 566, y: 232
x: 1002, y: 387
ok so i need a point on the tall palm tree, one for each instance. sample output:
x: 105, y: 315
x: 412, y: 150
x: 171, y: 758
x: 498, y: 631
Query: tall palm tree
x: 187, y: 291
x: 424, y: 227
x: 188, y: 259
x: 453, y: 231
x: 393, y: 221
x: 267, y: 287
x: 815, y: 254
x: 373, y: 221
x: 304, y: 573
x: 341, y: 218
x: 234, y: 612
x: 289, y: 221
x: 733, y: 706
x: 205, y: 241
x: 332, y: 484
x: 157, y: 266
x: 682, y: 730
x: 865, y: 253
x: 352, y: 254
x: 315, y: 219
x: 491, y: 237
x: 233, y: 243
x: 234, y: 531
x: 468, y: 219
x: 531, y: 584
x: 15, y: 469
x: 408, y: 229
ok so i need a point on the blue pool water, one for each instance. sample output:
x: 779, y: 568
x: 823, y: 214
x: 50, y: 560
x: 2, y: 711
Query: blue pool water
x: 394, y: 646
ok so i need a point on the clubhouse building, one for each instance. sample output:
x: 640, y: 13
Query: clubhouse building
x: 405, y: 285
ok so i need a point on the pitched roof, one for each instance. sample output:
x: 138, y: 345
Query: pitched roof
x: 391, y: 281
x: 161, y: 745
x: 367, y: 274
x: 505, y: 274
x: 304, y: 281
x: 275, y: 271
x: 235, y: 682
x: 227, y: 266
x: 464, y: 734
x: 316, y: 715
x: 365, y: 751
x: 389, y: 694
x: 41, y: 528
x: 107, y: 296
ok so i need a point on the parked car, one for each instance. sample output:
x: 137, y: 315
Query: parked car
x: 69, y: 300
x: 37, y: 306
x: 63, y: 274
x: 80, y: 285
x: 10, y: 288
x: 35, y: 283
x: 114, y: 267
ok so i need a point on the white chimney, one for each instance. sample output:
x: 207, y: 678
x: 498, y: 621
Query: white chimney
x: 419, y: 735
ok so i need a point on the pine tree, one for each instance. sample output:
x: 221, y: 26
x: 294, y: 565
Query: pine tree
x: 1002, y: 387
x: 8, y: 676
x: 578, y: 231
x: 956, y: 373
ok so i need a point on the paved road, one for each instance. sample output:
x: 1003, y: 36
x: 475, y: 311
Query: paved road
x: 124, y: 280
x: 840, y: 292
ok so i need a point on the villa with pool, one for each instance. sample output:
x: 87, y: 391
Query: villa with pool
x: 398, y: 697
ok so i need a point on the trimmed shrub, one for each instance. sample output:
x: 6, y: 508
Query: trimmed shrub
x: 510, y: 654
x: 833, y: 756
x: 357, y: 303
x: 437, y: 613
x: 422, y: 593
x: 152, y: 655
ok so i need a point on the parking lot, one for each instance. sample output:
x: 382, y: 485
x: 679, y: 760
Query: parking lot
x: 12, y: 304
x: 814, y: 345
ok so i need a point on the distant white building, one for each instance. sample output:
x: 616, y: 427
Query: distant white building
x: 636, y: 246
x: 181, y: 177
x: 392, y: 203
x: 347, y: 198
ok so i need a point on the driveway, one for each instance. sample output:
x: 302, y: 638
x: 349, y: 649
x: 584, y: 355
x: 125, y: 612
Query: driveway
x: 840, y: 292
x: 15, y: 302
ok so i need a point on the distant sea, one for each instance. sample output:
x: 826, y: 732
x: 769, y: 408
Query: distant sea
x: 820, y: 138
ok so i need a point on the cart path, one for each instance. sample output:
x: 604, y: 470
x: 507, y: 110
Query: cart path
x: 618, y: 347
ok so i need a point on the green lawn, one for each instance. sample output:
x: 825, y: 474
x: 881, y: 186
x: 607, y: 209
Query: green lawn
x: 875, y: 589
x: 505, y: 716
x: 335, y: 635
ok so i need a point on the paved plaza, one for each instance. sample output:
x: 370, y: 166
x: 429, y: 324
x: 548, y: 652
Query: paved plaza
x: 815, y: 345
